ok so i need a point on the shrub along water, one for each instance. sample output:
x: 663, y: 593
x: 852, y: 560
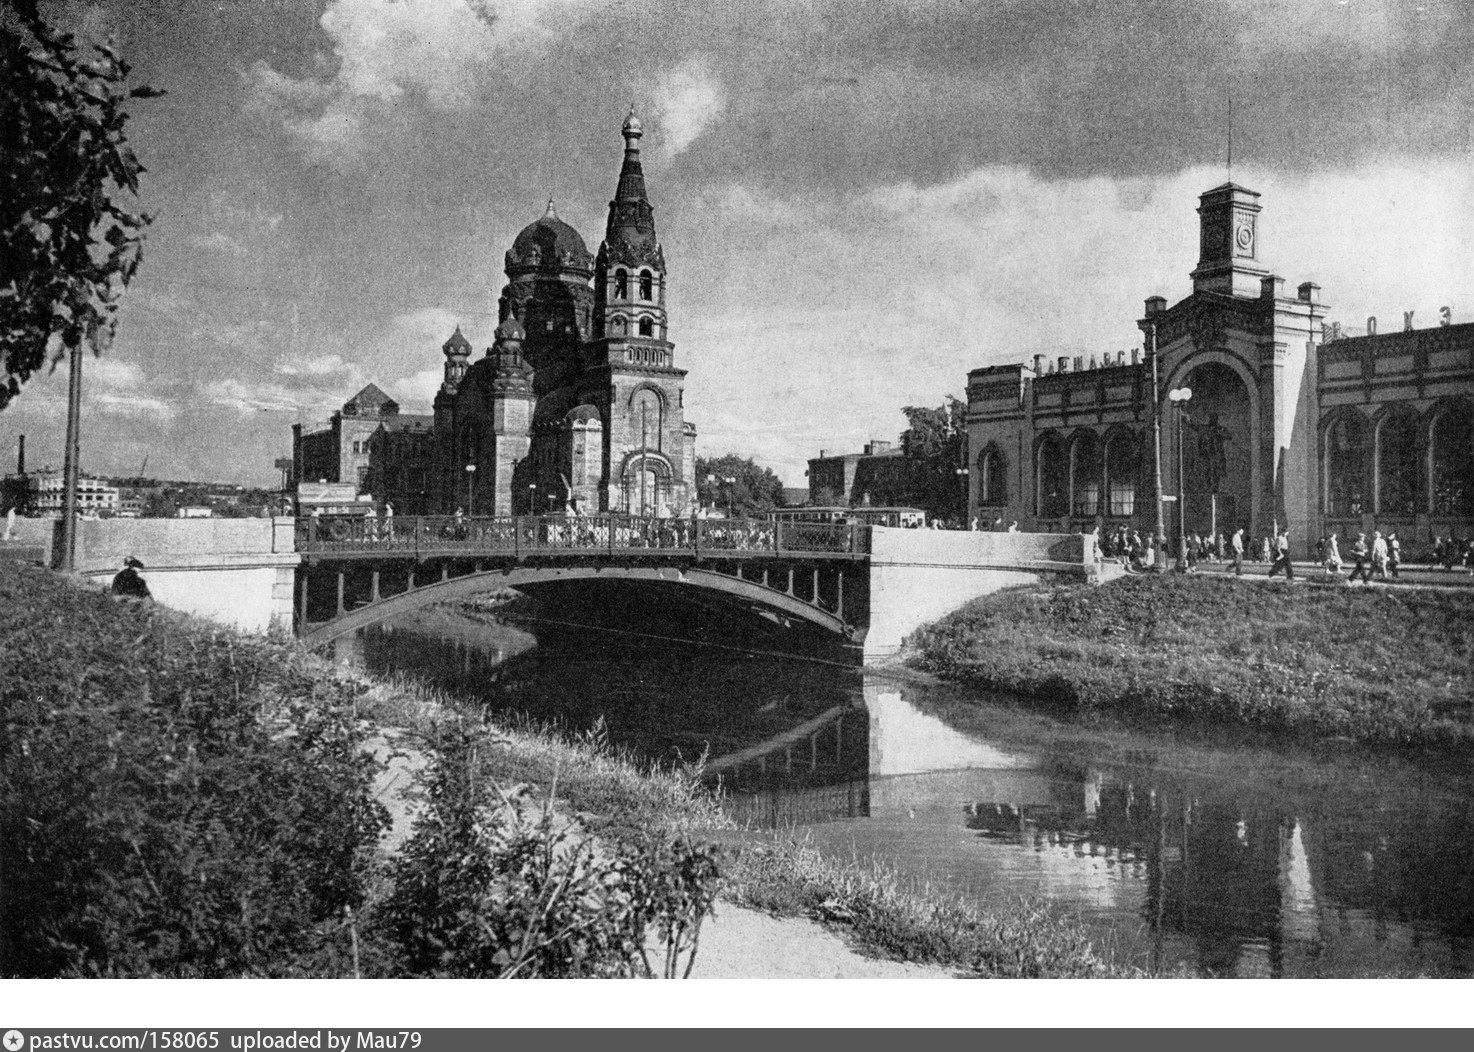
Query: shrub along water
x: 174, y: 801
x: 1384, y: 666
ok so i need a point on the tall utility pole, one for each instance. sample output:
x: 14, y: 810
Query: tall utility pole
x: 1159, y: 536
x: 70, y: 465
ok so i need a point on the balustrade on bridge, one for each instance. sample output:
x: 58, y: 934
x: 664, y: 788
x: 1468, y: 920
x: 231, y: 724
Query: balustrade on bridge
x: 520, y: 536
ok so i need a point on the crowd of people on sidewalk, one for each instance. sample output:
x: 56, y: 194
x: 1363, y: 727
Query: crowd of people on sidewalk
x: 1381, y: 555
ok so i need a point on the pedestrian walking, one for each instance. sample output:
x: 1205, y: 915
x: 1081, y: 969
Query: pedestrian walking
x: 1394, y: 553
x: 1333, y: 556
x: 1379, y: 554
x: 10, y: 524
x: 1282, y: 555
x: 1362, y: 556
x: 1237, y: 546
x: 1264, y: 550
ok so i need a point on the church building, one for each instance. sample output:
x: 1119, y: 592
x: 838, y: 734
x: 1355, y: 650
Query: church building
x: 1286, y: 423
x: 577, y: 406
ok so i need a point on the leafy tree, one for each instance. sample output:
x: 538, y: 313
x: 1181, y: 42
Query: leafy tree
x: 935, y: 444
x: 756, y: 490
x: 67, y: 247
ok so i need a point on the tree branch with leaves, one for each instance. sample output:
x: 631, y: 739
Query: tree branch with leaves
x: 68, y: 244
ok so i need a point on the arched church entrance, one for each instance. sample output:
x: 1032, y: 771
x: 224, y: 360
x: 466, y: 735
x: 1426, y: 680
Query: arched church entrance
x: 1217, y: 451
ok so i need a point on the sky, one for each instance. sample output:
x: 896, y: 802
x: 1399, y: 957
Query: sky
x: 859, y: 200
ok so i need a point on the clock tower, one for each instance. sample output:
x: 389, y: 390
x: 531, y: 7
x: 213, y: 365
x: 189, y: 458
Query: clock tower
x: 1228, y: 256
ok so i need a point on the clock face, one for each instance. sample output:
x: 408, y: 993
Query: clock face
x: 1244, y: 238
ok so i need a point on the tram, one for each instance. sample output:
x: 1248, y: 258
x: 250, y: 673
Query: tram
x: 865, y: 514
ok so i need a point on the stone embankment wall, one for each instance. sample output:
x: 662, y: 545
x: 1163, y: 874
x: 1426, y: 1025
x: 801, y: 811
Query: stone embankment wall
x: 917, y: 576
x: 240, y: 572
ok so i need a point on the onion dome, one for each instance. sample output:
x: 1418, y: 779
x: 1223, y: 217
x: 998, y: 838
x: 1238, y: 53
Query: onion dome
x: 510, y: 329
x: 509, y: 370
x: 583, y: 414
x: 457, y: 346
x: 549, y: 245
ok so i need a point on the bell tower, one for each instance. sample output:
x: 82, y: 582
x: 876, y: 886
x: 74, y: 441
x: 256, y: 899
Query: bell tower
x: 1228, y: 256
x: 629, y: 274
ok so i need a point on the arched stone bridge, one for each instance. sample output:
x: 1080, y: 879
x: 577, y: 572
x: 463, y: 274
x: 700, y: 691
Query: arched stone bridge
x: 864, y: 584
x: 357, y: 572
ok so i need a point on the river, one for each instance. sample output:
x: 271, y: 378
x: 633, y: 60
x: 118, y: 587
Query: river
x: 1197, y: 852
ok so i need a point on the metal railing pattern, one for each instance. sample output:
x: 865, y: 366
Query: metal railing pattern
x: 525, y: 535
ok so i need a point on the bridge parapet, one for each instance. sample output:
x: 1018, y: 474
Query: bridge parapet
x: 917, y: 576
x: 431, y: 536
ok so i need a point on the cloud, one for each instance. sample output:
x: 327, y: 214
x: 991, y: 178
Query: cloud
x: 387, y: 54
x: 687, y: 100
x: 888, y: 297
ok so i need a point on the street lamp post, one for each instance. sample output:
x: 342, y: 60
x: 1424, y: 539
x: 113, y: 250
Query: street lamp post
x: 1179, y: 398
x: 532, y: 497
x: 1159, y: 537
x: 730, y: 481
x: 471, y: 489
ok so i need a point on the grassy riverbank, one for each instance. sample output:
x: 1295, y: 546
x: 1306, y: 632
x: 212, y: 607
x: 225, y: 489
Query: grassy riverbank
x: 179, y: 800
x: 1381, y: 666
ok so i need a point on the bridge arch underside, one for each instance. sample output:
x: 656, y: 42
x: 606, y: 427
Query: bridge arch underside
x: 825, y: 598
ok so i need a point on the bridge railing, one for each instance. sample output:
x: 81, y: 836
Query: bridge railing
x: 523, y: 535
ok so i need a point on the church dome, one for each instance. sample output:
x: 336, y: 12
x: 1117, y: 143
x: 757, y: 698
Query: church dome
x: 550, y: 244
x: 511, y: 329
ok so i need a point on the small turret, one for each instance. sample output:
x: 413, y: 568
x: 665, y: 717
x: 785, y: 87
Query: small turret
x: 457, y: 351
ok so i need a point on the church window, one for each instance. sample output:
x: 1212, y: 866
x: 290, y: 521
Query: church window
x: 1345, y: 467
x: 617, y: 326
x: 621, y: 285
x: 647, y: 327
x: 1085, y: 474
x: 1397, y: 463
x: 1453, y: 461
x: 647, y: 286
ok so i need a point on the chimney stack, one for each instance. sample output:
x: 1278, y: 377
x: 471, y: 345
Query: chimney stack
x: 20, y: 456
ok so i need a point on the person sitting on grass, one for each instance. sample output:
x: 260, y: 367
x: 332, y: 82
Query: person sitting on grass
x: 128, y: 583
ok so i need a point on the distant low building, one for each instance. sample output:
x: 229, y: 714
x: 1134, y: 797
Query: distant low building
x: 47, y: 495
x: 340, y: 452
x: 880, y: 474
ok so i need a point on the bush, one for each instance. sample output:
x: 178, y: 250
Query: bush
x: 492, y: 885
x: 174, y: 800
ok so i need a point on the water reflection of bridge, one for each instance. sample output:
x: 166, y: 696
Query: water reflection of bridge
x: 1237, y: 878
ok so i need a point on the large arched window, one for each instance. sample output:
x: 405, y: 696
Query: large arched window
x: 1052, y: 478
x: 647, y: 286
x: 1397, y: 463
x: 1085, y: 474
x: 1345, y: 466
x: 621, y: 285
x: 1123, y: 468
x: 992, y: 479
x: 1453, y: 460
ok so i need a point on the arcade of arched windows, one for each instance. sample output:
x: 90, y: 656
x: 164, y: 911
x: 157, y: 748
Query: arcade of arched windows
x: 1093, y: 475
x: 1399, y: 463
